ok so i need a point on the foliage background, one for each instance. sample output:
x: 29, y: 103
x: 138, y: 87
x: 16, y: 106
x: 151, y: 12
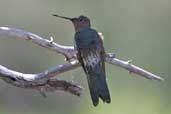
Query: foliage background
x: 134, y: 29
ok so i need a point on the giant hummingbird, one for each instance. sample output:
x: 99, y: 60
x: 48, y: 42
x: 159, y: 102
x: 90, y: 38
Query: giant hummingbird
x: 91, y: 54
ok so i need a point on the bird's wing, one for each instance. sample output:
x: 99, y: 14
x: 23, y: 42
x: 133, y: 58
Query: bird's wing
x: 91, y: 55
x: 91, y: 50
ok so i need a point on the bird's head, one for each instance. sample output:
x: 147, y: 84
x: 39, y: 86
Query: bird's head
x: 78, y: 22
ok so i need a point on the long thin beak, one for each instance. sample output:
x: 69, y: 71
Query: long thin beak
x: 62, y: 17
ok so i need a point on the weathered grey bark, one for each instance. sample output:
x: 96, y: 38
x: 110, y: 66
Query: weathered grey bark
x: 45, y: 80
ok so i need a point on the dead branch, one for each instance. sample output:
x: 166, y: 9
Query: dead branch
x: 45, y: 80
x: 41, y: 81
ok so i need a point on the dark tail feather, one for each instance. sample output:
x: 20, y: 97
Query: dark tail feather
x: 98, y: 88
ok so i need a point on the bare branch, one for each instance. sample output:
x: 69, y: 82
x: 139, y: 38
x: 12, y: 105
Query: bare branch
x: 41, y: 81
x: 67, y: 51
x: 44, y: 81
x: 132, y: 68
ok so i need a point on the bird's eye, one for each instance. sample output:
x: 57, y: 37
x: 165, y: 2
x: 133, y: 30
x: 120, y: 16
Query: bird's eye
x: 80, y: 19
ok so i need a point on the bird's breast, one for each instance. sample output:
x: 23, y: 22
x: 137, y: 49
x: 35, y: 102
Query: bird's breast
x: 85, y: 38
x: 92, y: 59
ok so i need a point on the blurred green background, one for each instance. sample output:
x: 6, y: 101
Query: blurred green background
x: 139, y: 30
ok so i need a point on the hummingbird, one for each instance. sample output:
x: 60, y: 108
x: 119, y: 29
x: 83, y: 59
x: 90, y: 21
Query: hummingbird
x: 91, y: 54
